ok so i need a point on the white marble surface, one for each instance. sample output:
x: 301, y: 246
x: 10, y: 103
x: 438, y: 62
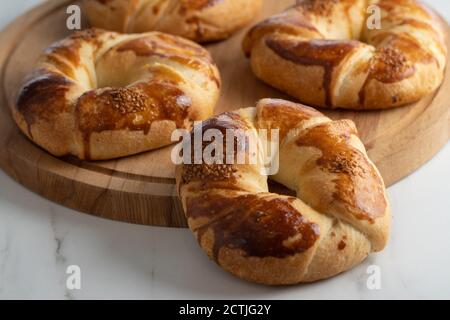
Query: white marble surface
x: 39, y: 239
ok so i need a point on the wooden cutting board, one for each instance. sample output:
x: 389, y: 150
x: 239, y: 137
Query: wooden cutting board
x: 140, y: 189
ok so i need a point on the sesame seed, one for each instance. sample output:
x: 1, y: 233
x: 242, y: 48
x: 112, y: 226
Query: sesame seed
x: 127, y: 100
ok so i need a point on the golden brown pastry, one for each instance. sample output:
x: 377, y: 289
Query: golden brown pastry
x: 101, y: 95
x: 340, y: 215
x: 198, y: 20
x: 323, y: 53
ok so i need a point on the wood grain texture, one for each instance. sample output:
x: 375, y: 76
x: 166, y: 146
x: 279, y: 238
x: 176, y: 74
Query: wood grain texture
x: 141, y: 189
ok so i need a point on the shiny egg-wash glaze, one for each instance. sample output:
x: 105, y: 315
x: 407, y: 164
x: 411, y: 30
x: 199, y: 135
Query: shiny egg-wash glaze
x: 340, y: 215
x: 322, y: 53
x: 101, y: 95
x: 198, y: 20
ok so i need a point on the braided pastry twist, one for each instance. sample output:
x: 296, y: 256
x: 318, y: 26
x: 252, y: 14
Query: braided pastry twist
x: 198, y: 20
x: 101, y: 95
x: 323, y: 53
x: 340, y: 216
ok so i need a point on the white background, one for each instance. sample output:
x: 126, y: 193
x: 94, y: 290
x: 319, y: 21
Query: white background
x: 39, y: 239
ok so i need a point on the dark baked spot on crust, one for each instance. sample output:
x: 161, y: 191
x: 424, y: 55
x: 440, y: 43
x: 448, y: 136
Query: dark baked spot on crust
x: 104, y: 1
x: 200, y: 206
x: 43, y: 97
x: 133, y: 108
x: 294, y: 23
x: 186, y: 5
x: 342, y: 244
x: 324, y: 53
x: 258, y: 224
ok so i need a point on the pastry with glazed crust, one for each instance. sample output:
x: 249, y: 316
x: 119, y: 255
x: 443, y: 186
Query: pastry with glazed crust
x: 100, y: 95
x: 198, y: 20
x: 340, y: 215
x: 324, y: 53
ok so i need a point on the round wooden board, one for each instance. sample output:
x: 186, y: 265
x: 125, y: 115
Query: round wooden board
x: 141, y: 189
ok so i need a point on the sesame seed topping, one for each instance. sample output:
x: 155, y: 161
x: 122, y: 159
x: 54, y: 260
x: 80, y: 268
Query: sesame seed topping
x: 215, y: 172
x: 127, y: 100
